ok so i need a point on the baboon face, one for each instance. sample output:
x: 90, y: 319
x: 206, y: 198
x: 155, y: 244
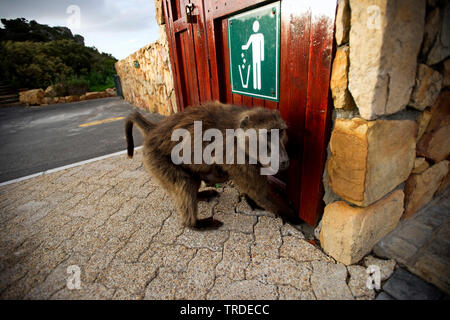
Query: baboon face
x: 260, y: 118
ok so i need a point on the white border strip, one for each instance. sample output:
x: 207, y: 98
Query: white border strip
x: 73, y: 165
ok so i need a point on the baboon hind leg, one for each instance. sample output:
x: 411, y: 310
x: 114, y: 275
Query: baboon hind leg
x: 187, y: 204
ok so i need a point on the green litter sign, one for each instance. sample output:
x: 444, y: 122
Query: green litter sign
x: 254, y: 47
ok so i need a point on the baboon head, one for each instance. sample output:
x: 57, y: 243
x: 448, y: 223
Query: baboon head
x: 261, y: 118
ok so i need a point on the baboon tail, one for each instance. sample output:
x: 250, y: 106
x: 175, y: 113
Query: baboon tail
x: 142, y: 124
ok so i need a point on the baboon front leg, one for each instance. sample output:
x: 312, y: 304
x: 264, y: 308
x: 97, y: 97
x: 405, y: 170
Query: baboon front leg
x: 187, y: 199
x: 257, y: 188
x: 185, y: 195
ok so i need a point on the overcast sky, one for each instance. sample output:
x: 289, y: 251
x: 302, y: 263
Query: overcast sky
x: 119, y: 27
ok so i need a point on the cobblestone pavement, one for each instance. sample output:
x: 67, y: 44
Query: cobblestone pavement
x: 421, y: 244
x: 111, y: 220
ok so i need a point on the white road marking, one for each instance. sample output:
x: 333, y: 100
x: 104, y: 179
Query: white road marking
x: 73, y: 165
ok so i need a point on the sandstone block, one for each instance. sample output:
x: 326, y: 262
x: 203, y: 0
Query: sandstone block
x: 50, y: 91
x: 441, y: 45
x: 339, y: 80
x: 420, y: 188
x: 435, y: 142
x: 93, y: 95
x: 422, y: 123
x: 385, y: 40
x: 349, y: 233
x: 342, y: 22
x: 420, y: 165
x: 432, y: 26
x: 446, y: 73
x: 48, y: 100
x: 370, y: 158
x: 428, y: 86
x: 444, y: 184
x: 70, y: 99
x: 32, y: 97
x: 111, y: 92
x: 159, y: 12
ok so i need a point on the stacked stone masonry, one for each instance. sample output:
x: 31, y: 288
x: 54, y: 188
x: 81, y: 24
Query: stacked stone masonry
x: 146, y: 75
x: 389, y: 148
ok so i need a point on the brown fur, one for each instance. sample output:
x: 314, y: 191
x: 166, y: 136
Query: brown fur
x: 183, y: 181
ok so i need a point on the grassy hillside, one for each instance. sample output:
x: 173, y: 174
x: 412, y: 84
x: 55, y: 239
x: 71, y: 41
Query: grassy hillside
x: 33, y: 55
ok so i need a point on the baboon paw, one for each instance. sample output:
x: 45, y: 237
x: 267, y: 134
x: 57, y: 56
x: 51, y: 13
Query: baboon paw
x: 208, y: 224
x: 206, y: 195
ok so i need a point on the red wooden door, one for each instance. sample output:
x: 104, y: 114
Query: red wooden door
x: 187, y: 43
x: 306, y: 49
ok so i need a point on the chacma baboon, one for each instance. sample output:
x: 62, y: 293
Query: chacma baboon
x: 182, y: 181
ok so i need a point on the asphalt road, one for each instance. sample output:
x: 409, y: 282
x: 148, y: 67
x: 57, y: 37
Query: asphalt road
x: 36, y: 139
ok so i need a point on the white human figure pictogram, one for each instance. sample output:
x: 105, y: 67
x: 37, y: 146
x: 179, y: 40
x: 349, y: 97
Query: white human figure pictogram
x: 256, y: 40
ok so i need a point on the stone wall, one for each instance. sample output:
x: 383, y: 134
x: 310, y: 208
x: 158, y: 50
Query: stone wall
x: 146, y: 75
x: 389, y: 148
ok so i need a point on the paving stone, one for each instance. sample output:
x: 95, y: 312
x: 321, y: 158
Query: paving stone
x: 90, y: 291
x: 329, y: 281
x: 301, y: 250
x: 236, y: 256
x: 434, y: 269
x: 281, y: 272
x: 212, y: 240
x: 157, y: 207
x: 406, y: 286
x: 56, y: 280
x: 394, y: 247
x: 229, y: 198
x: 267, y: 238
x: 122, y: 294
x: 384, y: 296
x: 226, y: 289
x: 165, y: 285
x: 100, y: 260
x: 200, y: 275
x: 236, y: 222
x: 244, y: 207
x: 132, y: 276
x: 416, y: 233
x: 386, y: 266
x: 291, y: 293
x: 288, y: 230
x: 137, y: 244
x: 176, y: 257
x: 357, y: 283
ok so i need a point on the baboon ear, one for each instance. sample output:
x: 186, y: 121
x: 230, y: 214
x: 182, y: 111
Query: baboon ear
x: 244, y: 121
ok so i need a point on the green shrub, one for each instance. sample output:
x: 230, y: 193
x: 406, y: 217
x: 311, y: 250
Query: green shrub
x: 34, y: 64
